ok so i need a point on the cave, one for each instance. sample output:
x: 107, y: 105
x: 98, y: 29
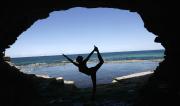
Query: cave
x: 159, y: 17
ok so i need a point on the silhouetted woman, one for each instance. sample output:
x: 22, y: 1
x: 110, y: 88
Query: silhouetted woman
x: 82, y: 65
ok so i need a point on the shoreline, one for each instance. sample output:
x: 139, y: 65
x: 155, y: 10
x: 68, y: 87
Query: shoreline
x: 134, y: 75
x: 103, y: 77
x: 124, y: 92
x: 58, y: 92
x: 115, y: 80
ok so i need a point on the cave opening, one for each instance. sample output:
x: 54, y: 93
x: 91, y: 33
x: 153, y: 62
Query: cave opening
x: 116, y: 32
x: 161, y: 89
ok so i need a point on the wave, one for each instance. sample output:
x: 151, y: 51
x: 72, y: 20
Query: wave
x: 114, y: 57
x: 63, y: 63
x: 42, y: 65
x: 131, y: 61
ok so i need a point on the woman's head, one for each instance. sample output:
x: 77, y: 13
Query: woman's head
x: 79, y: 59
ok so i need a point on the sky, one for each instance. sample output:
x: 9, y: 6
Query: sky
x: 77, y: 30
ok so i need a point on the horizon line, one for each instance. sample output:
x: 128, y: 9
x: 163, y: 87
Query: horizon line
x: 81, y: 53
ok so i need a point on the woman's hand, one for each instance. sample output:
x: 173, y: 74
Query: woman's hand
x: 64, y: 55
x: 95, y: 48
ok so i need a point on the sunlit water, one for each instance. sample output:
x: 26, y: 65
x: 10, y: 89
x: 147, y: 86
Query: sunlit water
x: 104, y: 75
x: 116, y: 64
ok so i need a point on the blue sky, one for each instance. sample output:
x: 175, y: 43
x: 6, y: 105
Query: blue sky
x: 76, y: 30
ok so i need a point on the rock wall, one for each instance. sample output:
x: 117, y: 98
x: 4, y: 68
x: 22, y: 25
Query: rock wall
x: 160, y: 17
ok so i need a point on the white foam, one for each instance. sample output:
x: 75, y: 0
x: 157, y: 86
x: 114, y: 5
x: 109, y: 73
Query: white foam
x: 68, y: 82
x: 43, y: 76
x: 59, y: 78
x: 131, y: 76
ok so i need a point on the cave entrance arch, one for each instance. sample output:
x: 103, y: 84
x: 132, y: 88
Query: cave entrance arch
x: 161, y: 20
x: 103, y: 29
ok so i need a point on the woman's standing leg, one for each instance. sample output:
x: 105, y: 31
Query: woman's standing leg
x: 93, y: 78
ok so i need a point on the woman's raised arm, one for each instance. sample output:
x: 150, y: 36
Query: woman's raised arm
x: 70, y: 60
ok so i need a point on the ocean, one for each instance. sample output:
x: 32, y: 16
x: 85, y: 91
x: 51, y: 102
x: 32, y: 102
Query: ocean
x: 116, y: 64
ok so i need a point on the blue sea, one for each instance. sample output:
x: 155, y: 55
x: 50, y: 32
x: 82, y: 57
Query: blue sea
x: 116, y: 64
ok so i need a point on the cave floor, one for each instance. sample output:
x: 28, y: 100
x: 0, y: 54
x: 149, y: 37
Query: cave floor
x: 122, y: 93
